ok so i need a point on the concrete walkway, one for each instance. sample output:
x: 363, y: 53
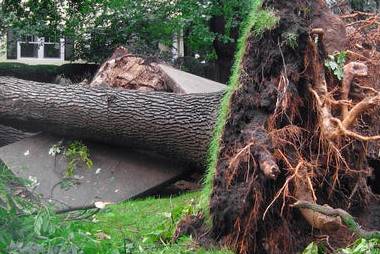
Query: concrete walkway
x: 117, y: 174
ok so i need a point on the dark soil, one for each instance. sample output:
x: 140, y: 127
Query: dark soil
x: 261, y: 113
x: 241, y: 194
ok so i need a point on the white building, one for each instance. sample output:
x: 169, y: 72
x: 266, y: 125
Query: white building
x: 34, y: 49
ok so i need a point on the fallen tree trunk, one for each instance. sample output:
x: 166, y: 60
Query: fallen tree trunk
x: 179, y: 126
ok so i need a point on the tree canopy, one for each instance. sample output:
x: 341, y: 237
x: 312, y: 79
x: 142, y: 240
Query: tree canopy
x: 98, y: 26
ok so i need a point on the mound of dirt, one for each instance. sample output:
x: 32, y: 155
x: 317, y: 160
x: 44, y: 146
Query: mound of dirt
x: 295, y: 132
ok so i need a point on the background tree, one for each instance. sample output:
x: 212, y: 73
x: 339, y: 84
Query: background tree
x: 97, y: 27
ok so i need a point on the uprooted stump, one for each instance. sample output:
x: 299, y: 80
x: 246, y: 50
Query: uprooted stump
x: 291, y: 135
x: 128, y: 71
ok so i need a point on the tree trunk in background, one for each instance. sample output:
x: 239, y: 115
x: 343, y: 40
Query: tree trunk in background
x: 224, y: 51
x: 179, y: 126
x: 11, y: 45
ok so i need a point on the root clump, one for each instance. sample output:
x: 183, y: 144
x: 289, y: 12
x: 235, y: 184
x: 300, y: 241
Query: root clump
x: 294, y: 133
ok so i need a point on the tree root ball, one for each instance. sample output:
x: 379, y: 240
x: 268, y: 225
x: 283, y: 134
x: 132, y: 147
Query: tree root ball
x: 288, y: 113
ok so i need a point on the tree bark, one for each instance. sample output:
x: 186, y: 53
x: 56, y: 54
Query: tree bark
x: 179, y: 126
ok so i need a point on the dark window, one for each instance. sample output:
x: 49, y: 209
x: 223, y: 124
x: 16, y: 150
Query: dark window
x: 29, y: 50
x: 52, y: 50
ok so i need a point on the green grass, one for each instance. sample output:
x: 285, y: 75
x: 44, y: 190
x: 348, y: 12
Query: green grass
x: 136, y: 226
x: 140, y: 223
x: 257, y: 22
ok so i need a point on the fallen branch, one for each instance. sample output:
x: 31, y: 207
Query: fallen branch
x: 347, y: 219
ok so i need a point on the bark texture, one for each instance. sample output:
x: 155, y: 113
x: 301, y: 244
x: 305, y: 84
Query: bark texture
x: 179, y: 126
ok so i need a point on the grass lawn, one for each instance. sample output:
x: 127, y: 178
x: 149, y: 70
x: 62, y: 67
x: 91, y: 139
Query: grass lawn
x: 136, y: 226
x: 140, y: 224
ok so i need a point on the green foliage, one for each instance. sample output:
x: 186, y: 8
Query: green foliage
x: 258, y: 21
x: 291, y: 40
x: 75, y: 153
x: 48, y: 233
x: 360, y: 246
x: 165, y: 230
x: 43, y: 225
x: 363, y: 246
x: 138, y: 226
x: 313, y: 248
x: 146, y: 226
x: 97, y: 27
x: 335, y: 63
x: 47, y: 73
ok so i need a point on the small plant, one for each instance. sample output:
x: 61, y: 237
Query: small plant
x: 313, y: 248
x: 56, y: 149
x: 360, y: 246
x: 75, y: 153
x: 164, y: 232
x: 335, y: 63
x: 291, y: 40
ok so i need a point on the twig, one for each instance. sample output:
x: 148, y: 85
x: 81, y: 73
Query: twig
x: 64, y: 210
x: 347, y: 219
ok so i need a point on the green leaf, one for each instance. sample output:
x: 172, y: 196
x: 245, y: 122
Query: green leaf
x: 312, y: 248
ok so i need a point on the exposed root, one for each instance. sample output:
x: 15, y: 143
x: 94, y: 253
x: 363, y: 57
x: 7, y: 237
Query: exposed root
x: 258, y: 152
x: 314, y: 218
x: 284, y: 190
x: 347, y: 219
x: 267, y: 164
x: 364, y: 105
x: 350, y: 71
x: 332, y: 127
x: 293, y: 134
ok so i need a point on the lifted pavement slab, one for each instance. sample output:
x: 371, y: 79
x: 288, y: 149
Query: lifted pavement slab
x: 117, y: 174
x: 185, y: 83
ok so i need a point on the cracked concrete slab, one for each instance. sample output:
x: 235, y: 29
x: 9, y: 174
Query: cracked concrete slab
x: 117, y: 174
